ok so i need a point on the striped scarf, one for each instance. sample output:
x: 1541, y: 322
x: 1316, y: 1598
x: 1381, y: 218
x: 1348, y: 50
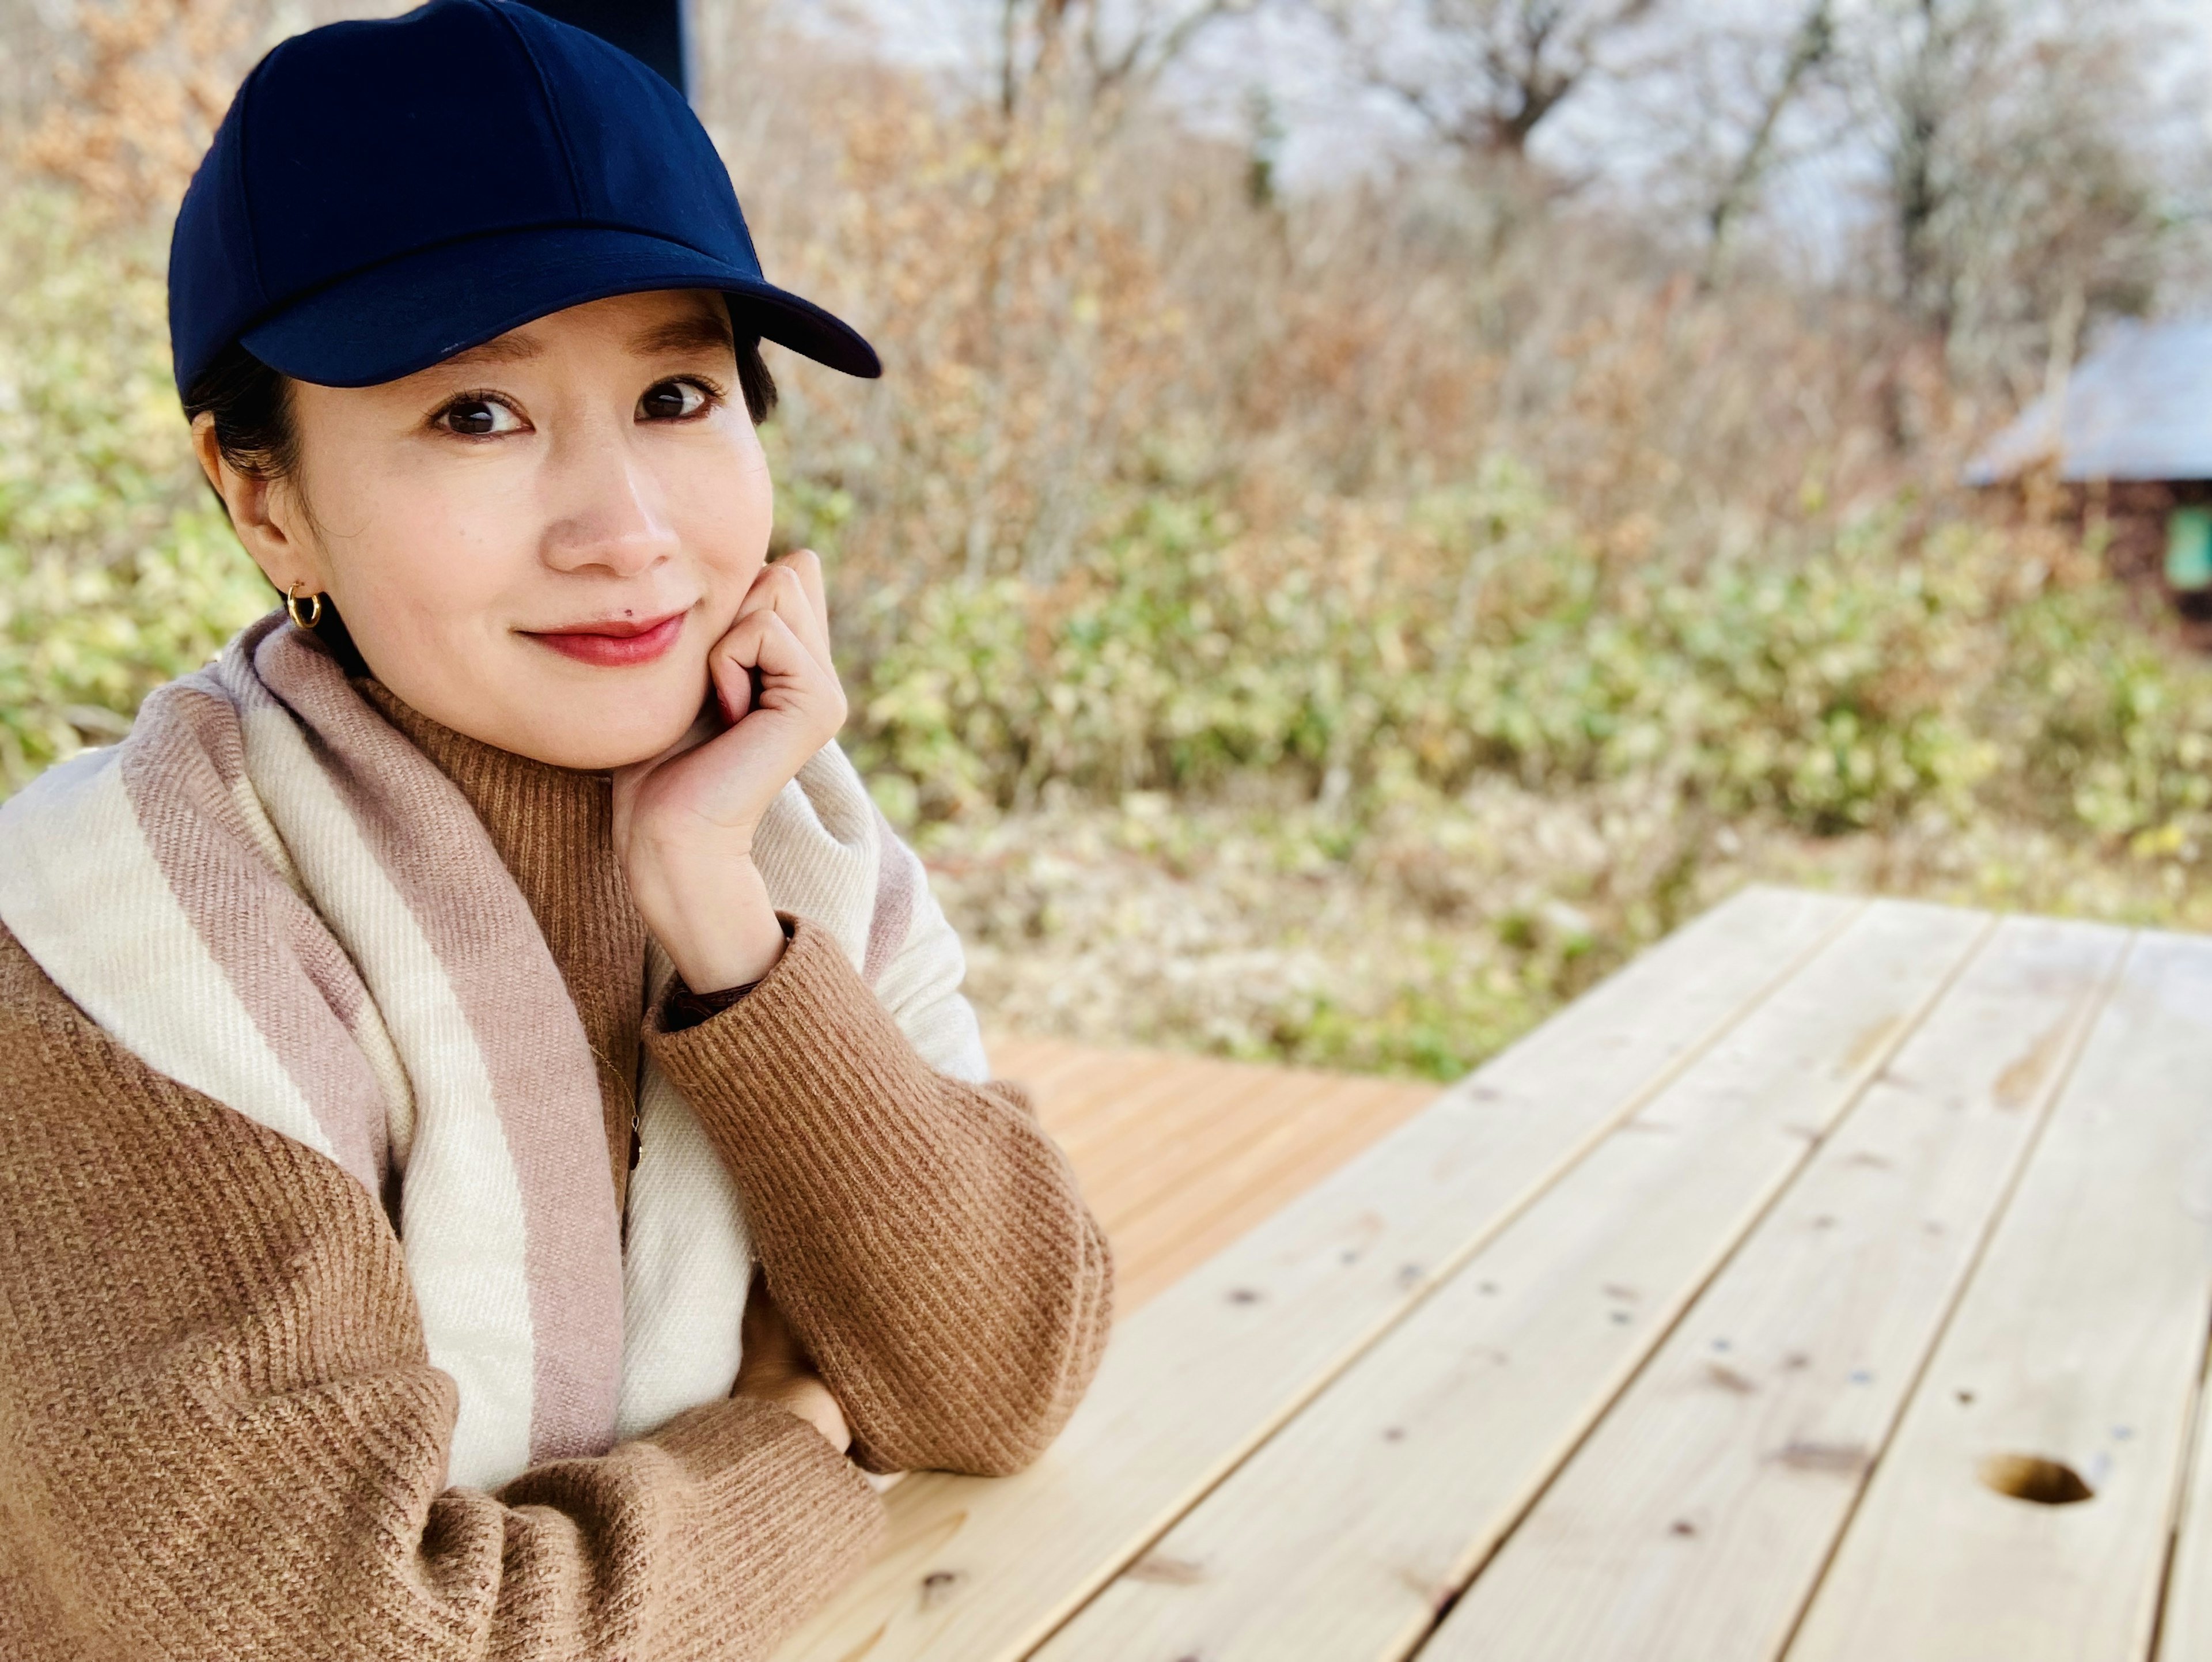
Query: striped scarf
x: 268, y: 894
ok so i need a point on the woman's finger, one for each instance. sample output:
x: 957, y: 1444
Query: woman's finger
x: 806, y: 565
x: 789, y: 675
x: 782, y: 588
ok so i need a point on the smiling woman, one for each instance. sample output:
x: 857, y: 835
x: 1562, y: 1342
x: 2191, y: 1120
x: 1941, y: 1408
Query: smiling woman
x: 480, y: 1084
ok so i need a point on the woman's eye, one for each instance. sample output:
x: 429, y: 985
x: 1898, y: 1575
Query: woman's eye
x: 477, y: 418
x: 671, y: 400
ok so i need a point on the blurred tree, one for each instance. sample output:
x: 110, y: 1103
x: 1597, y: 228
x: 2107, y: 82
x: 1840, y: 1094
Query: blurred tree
x: 2017, y: 191
x: 1113, y: 51
x: 1483, y: 75
x: 1812, y: 45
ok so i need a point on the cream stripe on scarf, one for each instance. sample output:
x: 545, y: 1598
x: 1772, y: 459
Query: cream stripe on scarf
x: 270, y: 895
x: 479, y: 981
x: 130, y: 956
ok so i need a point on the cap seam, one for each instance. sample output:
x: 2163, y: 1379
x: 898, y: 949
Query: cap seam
x: 552, y: 104
x: 236, y: 163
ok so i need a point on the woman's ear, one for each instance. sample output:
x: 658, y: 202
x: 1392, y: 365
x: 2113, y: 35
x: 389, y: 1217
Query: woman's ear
x: 257, y: 508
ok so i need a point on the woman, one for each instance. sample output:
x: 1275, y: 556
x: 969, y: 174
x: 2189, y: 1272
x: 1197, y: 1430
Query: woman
x: 417, y: 1038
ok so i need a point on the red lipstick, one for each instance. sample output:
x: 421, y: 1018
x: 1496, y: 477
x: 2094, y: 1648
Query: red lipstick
x: 613, y: 641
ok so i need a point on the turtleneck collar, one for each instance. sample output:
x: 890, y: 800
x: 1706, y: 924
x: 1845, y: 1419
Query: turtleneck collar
x: 554, y: 830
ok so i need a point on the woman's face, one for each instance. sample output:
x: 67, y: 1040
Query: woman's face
x: 535, y: 542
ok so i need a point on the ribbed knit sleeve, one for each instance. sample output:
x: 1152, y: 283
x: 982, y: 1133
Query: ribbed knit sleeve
x: 220, y: 1437
x: 925, y: 1236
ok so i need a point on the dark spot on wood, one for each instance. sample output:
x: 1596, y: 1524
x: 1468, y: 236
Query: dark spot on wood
x: 1825, y: 1220
x: 1849, y: 1458
x: 937, y: 1587
x: 1681, y: 1526
x: 1158, y: 1566
x: 1965, y: 1397
x: 1245, y: 1295
x: 1728, y: 1378
x: 2033, y: 1477
x: 1394, y: 1433
x: 1796, y: 1361
x: 1408, y: 1274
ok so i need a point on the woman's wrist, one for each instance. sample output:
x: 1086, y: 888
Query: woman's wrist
x: 716, y: 923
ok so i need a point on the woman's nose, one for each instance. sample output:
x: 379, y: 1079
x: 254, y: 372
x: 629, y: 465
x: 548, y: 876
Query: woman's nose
x: 609, y: 514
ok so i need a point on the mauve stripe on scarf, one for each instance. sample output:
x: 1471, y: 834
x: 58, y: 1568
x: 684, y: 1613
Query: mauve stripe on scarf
x: 893, y: 916
x: 300, y: 991
x: 207, y: 715
x: 432, y: 849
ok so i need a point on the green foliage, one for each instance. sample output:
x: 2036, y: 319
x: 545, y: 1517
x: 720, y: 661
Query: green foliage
x: 1877, y: 680
x: 117, y: 571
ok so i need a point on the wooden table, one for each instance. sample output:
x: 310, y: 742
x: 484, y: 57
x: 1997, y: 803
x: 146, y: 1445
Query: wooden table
x: 1833, y: 1282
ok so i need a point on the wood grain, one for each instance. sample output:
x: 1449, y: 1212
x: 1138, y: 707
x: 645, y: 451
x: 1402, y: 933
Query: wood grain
x: 1694, y: 1522
x: 1167, y: 1200
x: 2074, y: 1353
x: 1343, y: 1536
x: 979, y: 1570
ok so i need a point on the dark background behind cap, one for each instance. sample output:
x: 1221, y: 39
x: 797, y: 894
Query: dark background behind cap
x: 650, y: 30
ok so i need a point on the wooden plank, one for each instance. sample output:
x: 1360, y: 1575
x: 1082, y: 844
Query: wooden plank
x: 1203, y: 1131
x: 1194, y: 1215
x: 1274, y: 1145
x: 1053, y: 1069
x: 1224, y: 1145
x: 1142, y: 1085
x: 2078, y: 1340
x: 2185, y: 1623
x: 1692, y: 1524
x: 979, y: 1570
x: 1242, y: 1140
x: 1342, y: 1537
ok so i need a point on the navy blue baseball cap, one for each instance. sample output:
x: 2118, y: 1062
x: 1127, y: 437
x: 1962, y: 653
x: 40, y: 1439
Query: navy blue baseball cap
x: 382, y: 195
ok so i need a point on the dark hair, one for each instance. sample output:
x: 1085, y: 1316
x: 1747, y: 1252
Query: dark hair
x: 251, y: 404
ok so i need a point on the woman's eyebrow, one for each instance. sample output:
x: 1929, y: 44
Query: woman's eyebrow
x: 698, y: 333
x: 504, y: 349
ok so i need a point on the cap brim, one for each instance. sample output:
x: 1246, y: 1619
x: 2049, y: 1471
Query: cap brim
x: 409, y: 313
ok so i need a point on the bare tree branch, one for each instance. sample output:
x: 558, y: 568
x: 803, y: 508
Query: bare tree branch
x: 1812, y: 45
x: 1491, y: 71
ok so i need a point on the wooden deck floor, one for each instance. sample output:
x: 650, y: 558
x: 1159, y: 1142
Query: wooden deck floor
x: 1179, y: 1155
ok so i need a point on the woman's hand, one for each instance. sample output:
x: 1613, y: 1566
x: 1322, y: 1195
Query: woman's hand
x: 775, y: 1368
x: 684, y: 821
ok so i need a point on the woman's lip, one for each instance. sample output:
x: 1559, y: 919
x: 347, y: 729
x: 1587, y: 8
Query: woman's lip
x: 613, y: 640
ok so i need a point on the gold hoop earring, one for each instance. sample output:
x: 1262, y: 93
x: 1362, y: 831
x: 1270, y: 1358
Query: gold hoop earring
x: 292, y: 608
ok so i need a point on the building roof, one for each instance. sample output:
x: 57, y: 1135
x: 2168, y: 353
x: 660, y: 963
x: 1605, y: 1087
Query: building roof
x: 2139, y: 407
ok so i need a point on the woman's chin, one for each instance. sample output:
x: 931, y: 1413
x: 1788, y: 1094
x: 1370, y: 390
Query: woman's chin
x: 611, y: 731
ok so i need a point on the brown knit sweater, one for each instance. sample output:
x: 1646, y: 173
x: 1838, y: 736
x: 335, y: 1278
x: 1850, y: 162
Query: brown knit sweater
x: 220, y: 1435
